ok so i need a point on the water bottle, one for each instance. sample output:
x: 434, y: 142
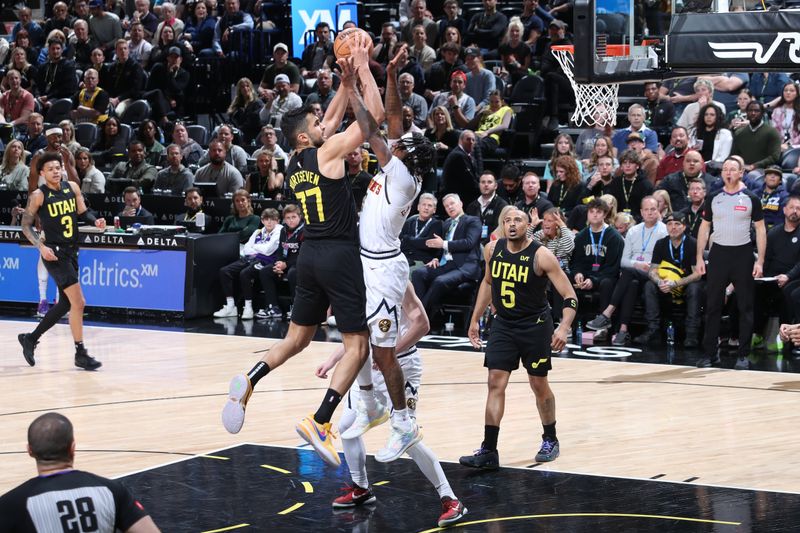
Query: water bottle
x: 670, y: 334
x: 579, y: 334
x: 778, y: 343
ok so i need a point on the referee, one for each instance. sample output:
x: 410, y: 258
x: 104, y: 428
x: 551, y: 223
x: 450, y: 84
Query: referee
x: 732, y: 210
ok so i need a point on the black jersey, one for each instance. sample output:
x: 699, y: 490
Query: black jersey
x: 59, y: 215
x: 69, y: 501
x: 328, y: 204
x: 517, y: 292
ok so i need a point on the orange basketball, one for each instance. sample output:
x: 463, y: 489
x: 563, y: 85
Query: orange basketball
x: 341, y: 46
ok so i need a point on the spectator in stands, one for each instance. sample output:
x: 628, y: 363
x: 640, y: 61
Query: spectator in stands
x: 68, y: 136
x: 116, y: 7
x: 123, y: 79
x: 405, y: 85
x: 677, y: 183
x: 33, y: 138
x: 97, y: 60
x: 324, y: 92
x: 81, y: 10
x: 759, y: 143
x: 737, y: 117
x: 266, y: 181
x: 133, y: 205
x: 556, y: 237
x: 35, y: 32
x: 595, y: 263
x: 164, y: 46
x: 694, y: 211
x: 636, y: 120
x: 782, y: 262
x: 148, y: 134
x: 418, y: 229
x: 166, y: 86
x: 140, y: 48
x: 111, y: 142
x: 244, y: 110
x: 13, y: 172
x: 193, y: 202
x: 786, y: 117
x: 704, y: 94
x: 285, y: 266
x: 727, y: 87
x: 514, y: 51
x: 659, y: 112
x: 630, y: 187
x: 174, y: 178
x: 533, y: 202
x: 199, y: 30
x: 233, y: 20
x: 649, y: 160
x: 459, y: 104
x: 487, y: 28
x: 318, y: 55
x: 219, y: 171
x: 440, y: 130
x: 143, y: 16
x: 635, y: 263
x: 568, y: 189
x: 598, y: 181
x: 451, y: 35
x: 459, y: 258
x: 23, y: 43
x: 491, y: 122
x: 533, y: 18
x: 562, y: 146
x: 241, y: 220
x: 386, y: 47
x: 710, y: 138
x: 418, y: 17
x: 168, y: 20
x: 418, y: 49
x: 280, y: 65
x: 767, y: 87
x: 259, y: 252
x: 664, y: 203
x: 283, y: 101
x: 56, y: 78
x: 487, y: 206
x: 672, y: 280
x: 92, y: 180
x: 191, y: 151
x: 82, y: 43
x: 510, y: 191
x: 20, y: 63
x: 140, y: 173
x: 234, y: 154
x: 438, y: 79
x: 269, y: 142
x: 450, y: 19
x: 480, y: 81
x: 623, y: 222
x: 557, y: 87
x: 773, y: 196
x: 60, y: 20
x: 356, y: 173
x: 461, y: 170
x: 16, y: 104
x: 672, y: 161
x: 603, y: 147
x: 90, y: 104
x: 585, y: 142
x: 104, y: 27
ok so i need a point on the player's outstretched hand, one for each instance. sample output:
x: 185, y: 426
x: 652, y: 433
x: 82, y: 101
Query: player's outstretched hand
x: 559, y: 340
x: 348, y: 67
x: 324, y: 368
x: 360, y: 50
x: 48, y: 254
x: 474, y: 335
x: 400, y: 56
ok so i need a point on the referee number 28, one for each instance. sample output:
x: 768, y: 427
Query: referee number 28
x: 308, y: 199
x: 78, y: 516
x: 507, y: 296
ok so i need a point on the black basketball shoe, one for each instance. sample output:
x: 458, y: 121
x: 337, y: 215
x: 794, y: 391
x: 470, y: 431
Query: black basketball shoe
x: 482, y: 458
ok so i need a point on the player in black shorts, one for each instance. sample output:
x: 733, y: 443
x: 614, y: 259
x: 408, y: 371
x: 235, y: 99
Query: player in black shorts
x: 518, y: 272
x: 63, y: 499
x: 59, y: 205
x: 329, y: 268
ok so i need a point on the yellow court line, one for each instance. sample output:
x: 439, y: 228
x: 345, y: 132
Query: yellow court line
x: 380, y: 483
x: 275, y: 468
x: 582, y: 515
x: 292, y: 508
x: 229, y: 528
x: 215, y: 457
x: 308, y: 487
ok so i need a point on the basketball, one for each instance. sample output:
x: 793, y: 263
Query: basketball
x: 346, y: 38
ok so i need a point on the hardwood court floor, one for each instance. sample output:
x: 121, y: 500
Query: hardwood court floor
x: 159, y: 394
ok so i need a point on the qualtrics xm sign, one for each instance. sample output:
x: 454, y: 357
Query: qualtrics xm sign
x: 306, y: 14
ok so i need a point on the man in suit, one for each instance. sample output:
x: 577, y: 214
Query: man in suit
x: 459, y: 259
x: 418, y: 229
x: 461, y: 169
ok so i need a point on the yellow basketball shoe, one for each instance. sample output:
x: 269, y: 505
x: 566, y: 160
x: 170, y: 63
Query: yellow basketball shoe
x: 320, y: 436
x: 239, y: 392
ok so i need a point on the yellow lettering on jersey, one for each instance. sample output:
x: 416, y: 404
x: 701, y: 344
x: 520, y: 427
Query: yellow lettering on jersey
x: 510, y: 271
x: 524, y: 258
x: 303, y: 176
x: 62, y: 207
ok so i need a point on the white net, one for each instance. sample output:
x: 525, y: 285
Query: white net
x: 595, y: 104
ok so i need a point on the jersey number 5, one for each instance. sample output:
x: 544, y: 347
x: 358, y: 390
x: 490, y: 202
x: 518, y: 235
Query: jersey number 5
x: 78, y: 516
x: 507, y: 295
x: 305, y: 199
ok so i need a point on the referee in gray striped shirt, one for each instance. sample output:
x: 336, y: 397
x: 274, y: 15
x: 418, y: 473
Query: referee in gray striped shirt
x: 732, y: 210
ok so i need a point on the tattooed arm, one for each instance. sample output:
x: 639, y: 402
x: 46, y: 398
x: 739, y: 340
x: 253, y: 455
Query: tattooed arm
x: 35, y: 200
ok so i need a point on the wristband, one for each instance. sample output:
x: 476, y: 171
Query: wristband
x: 570, y: 303
x: 87, y: 217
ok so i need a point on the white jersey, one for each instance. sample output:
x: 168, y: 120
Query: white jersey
x: 386, y: 206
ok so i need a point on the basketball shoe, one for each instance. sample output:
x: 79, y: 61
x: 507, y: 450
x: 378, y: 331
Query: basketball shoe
x: 482, y: 458
x: 399, y: 442
x: 354, y: 496
x: 366, y: 419
x: 452, y: 511
x: 239, y: 392
x: 320, y: 436
x: 548, y: 452
x: 85, y: 361
x: 28, y: 346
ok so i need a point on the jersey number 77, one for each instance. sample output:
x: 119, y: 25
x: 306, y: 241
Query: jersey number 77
x: 311, y: 201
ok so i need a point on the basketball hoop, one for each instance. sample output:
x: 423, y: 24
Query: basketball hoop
x: 596, y: 103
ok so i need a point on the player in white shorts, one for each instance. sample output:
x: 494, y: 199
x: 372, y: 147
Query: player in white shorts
x: 413, y: 325
x: 387, y: 203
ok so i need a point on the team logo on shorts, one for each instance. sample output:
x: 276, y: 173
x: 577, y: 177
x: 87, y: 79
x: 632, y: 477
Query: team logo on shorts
x: 384, y: 325
x: 411, y: 403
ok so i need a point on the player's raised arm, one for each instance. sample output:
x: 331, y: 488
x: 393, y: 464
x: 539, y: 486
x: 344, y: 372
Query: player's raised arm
x: 369, y: 89
x: 394, y: 109
x: 364, y: 119
x: 35, y: 200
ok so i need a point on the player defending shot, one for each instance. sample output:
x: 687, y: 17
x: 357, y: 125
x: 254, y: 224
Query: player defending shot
x: 516, y: 279
x: 328, y: 266
x: 413, y: 326
x: 59, y: 205
x: 385, y: 209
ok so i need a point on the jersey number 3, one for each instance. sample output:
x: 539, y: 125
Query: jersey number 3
x: 305, y: 198
x: 78, y: 516
x: 66, y: 221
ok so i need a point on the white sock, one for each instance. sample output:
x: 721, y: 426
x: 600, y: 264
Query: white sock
x: 248, y: 304
x: 354, y: 451
x: 401, y: 420
x: 364, y: 378
x: 41, y: 276
x: 429, y: 465
x: 229, y: 302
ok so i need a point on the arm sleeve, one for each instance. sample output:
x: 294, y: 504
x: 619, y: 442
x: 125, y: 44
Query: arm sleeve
x: 758, y: 211
x: 129, y: 511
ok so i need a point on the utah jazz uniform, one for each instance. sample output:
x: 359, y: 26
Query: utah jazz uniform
x: 329, y: 270
x: 523, y: 327
x: 59, y: 218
